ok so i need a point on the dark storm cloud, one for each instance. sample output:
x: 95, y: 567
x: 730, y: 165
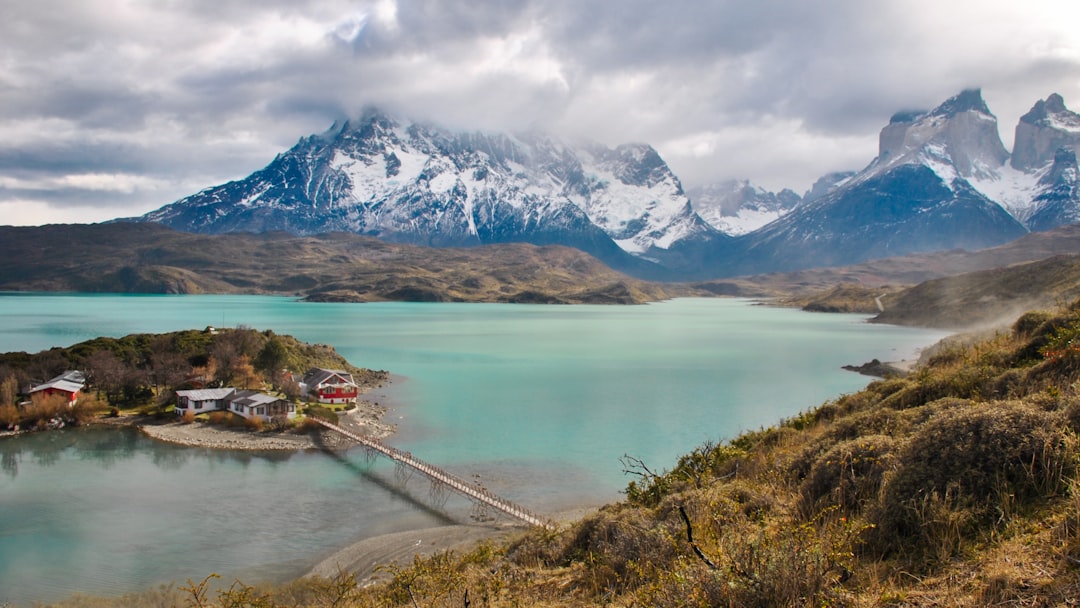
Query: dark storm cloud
x: 151, y: 101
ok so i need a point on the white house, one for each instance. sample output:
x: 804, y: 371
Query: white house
x: 249, y: 404
x: 253, y: 404
x: 202, y: 400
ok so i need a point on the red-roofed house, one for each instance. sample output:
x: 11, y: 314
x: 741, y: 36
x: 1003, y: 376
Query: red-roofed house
x: 67, y: 384
x: 330, y: 386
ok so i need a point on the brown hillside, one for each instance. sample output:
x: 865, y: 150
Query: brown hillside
x: 337, y: 267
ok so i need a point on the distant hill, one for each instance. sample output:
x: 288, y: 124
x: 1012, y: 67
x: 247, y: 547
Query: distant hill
x: 149, y: 258
x: 987, y: 297
x: 876, y: 277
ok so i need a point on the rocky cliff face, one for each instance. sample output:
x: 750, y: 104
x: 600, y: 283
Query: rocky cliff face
x: 961, y: 133
x: 915, y: 196
x: 1048, y: 126
x: 1058, y: 203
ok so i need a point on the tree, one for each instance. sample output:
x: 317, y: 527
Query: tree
x: 272, y: 358
x: 105, y: 371
x: 244, y: 374
x: 9, y: 391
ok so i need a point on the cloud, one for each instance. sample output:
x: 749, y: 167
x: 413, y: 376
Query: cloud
x: 128, y: 105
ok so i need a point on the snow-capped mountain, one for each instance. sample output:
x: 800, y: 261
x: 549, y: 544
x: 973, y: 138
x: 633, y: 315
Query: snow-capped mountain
x: 738, y: 207
x: 917, y: 195
x: 419, y: 183
x: 942, y: 180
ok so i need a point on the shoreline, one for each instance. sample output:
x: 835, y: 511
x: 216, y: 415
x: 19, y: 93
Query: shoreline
x: 365, y: 419
x: 369, y: 559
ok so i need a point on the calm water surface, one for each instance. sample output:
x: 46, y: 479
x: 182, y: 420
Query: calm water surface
x: 538, y: 401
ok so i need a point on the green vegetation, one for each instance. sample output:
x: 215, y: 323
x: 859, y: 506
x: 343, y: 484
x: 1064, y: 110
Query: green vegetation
x: 141, y: 372
x: 954, y: 486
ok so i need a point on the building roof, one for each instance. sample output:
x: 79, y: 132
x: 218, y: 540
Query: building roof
x: 318, y: 375
x: 206, y: 394
x: 69, y: 382
x: 253, y: 398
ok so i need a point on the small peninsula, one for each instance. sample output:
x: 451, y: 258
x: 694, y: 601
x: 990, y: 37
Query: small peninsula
x: 218, y: 388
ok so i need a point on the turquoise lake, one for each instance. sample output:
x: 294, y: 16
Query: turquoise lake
x: 537, y: 402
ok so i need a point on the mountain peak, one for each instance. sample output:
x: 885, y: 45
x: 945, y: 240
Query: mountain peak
x: 969, y: 100
x: 961, y: 133
x: 1045, y: 110
x: 1048, y: 126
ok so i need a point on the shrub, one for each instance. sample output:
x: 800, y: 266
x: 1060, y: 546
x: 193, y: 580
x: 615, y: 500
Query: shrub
x: 1029, y: 323
x: 188, y: 417
x: 971, y: 459
x: 848, y: 475
x: 42, y: 409
x: 322, y: 412
x: 9, y: 416
x: 87, y: 408
x: 616, y: 545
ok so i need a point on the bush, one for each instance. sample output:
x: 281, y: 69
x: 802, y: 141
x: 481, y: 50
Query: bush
x: 617, y: 545
x: 972, y: 460
x: 9, y: 416
x: 849, y: 475
x: 319, y: 411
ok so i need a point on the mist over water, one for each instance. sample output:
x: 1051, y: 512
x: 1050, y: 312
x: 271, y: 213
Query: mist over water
x: 539, y: 402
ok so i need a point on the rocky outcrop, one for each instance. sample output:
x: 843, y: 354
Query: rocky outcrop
x: 1058, y: 203
x: 1048, y: 126
x: 961, y: 132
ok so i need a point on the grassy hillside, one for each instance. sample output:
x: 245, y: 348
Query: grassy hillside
x: 951, y: 487
x: 985, y: 297
x: 131, y: 258
x: 954, y: 486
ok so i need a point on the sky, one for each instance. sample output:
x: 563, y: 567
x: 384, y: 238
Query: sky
x: 112, y: 108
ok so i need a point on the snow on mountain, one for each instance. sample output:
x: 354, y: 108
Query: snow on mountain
x: 1059, y: 201
x: 420, y: 183
x: 959, y: 138
x: 942, y: 179
x: 915, y: 196
x: 1047, y: 127
x: 737, y: 207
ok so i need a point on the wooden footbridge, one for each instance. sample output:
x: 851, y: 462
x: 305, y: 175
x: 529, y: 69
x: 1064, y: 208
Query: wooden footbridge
x: 473, y: 491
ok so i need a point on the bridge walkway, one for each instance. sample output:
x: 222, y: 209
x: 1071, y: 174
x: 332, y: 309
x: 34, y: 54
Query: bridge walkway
x: 474, y: 491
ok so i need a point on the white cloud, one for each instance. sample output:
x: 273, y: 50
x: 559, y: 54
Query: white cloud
x: 152, y: 101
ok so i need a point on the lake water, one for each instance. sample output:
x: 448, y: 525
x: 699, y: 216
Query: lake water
x: 537, y: 402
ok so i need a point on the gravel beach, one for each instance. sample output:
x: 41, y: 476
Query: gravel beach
x: 366, y: 419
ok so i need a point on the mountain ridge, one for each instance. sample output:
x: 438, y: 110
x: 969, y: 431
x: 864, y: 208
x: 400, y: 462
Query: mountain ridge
x: 942, y: 180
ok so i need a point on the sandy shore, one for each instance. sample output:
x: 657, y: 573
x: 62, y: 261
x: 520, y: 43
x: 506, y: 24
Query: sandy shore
x: 368, y: 559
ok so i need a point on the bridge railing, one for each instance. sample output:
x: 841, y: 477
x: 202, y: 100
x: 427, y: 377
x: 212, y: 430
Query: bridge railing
x: 471, y: 490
